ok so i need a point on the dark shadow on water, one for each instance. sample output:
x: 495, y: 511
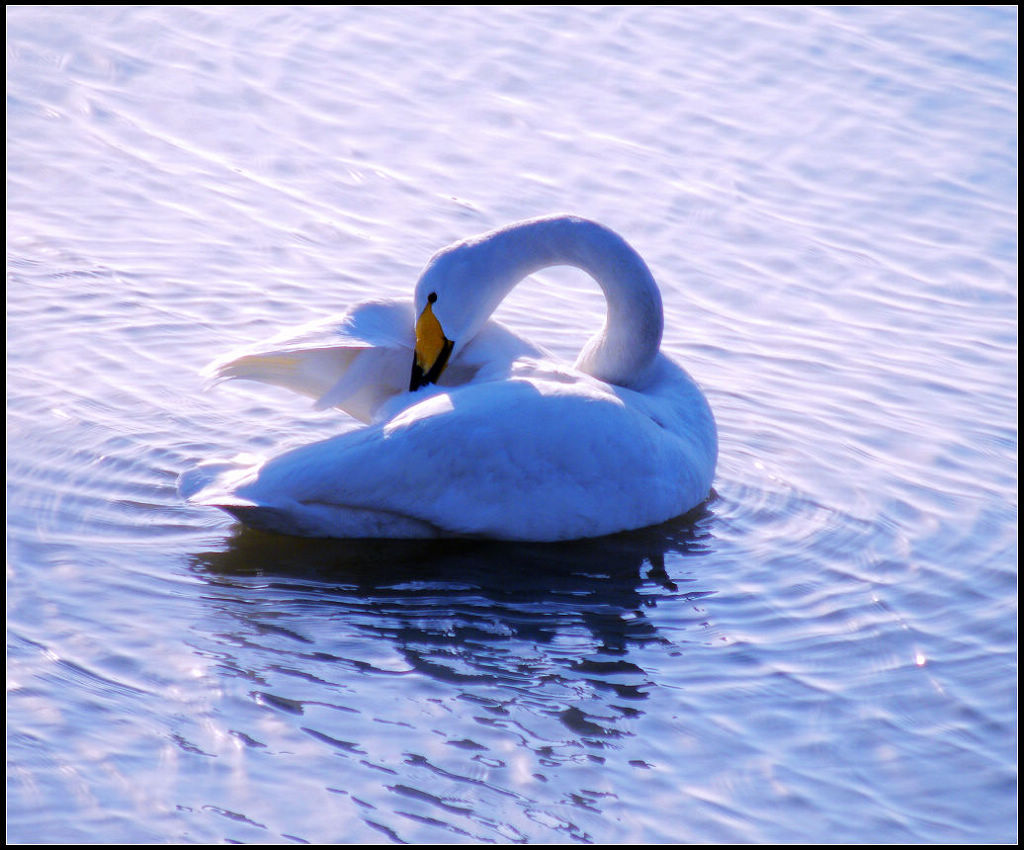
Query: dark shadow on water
x: 469, y: 610
x: 600, y: 566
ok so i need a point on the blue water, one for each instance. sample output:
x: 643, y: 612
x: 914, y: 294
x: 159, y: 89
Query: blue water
x: 825, y: 653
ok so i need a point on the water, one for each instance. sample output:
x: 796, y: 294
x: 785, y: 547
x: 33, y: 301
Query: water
x: 826, y: 652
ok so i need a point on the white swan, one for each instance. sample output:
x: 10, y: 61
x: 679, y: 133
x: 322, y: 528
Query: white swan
x: 490, y: 437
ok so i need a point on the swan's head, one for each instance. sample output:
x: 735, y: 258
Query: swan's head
x: 455, y: 295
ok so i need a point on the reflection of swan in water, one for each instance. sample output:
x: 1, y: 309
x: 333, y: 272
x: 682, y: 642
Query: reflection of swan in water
x: 554, y: 640
x: 412, y: 592
x: 494, y: 439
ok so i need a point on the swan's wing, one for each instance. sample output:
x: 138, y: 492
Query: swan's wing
x: 514, y: 459
x: 359, y: 361
x: 354, y: 362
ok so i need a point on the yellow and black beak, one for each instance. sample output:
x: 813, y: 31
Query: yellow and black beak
x: 433, y: 348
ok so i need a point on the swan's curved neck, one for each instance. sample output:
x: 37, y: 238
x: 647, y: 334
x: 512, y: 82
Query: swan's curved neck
x: 631, y: 336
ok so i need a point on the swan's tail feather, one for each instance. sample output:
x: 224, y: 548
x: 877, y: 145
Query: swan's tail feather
x: 215, y: 484
x: 338, y: 521
x: 206, y: 482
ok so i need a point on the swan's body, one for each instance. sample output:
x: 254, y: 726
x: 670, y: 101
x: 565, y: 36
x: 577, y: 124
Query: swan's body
x: 507, y: 444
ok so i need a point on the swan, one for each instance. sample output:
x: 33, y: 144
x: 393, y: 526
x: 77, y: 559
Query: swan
x: 488, y: 436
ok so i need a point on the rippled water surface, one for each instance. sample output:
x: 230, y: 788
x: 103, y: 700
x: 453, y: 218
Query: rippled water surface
x: 825, y: 652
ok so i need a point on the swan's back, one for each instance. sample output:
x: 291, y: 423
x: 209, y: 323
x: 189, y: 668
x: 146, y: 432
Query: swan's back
x: 518, y: 459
